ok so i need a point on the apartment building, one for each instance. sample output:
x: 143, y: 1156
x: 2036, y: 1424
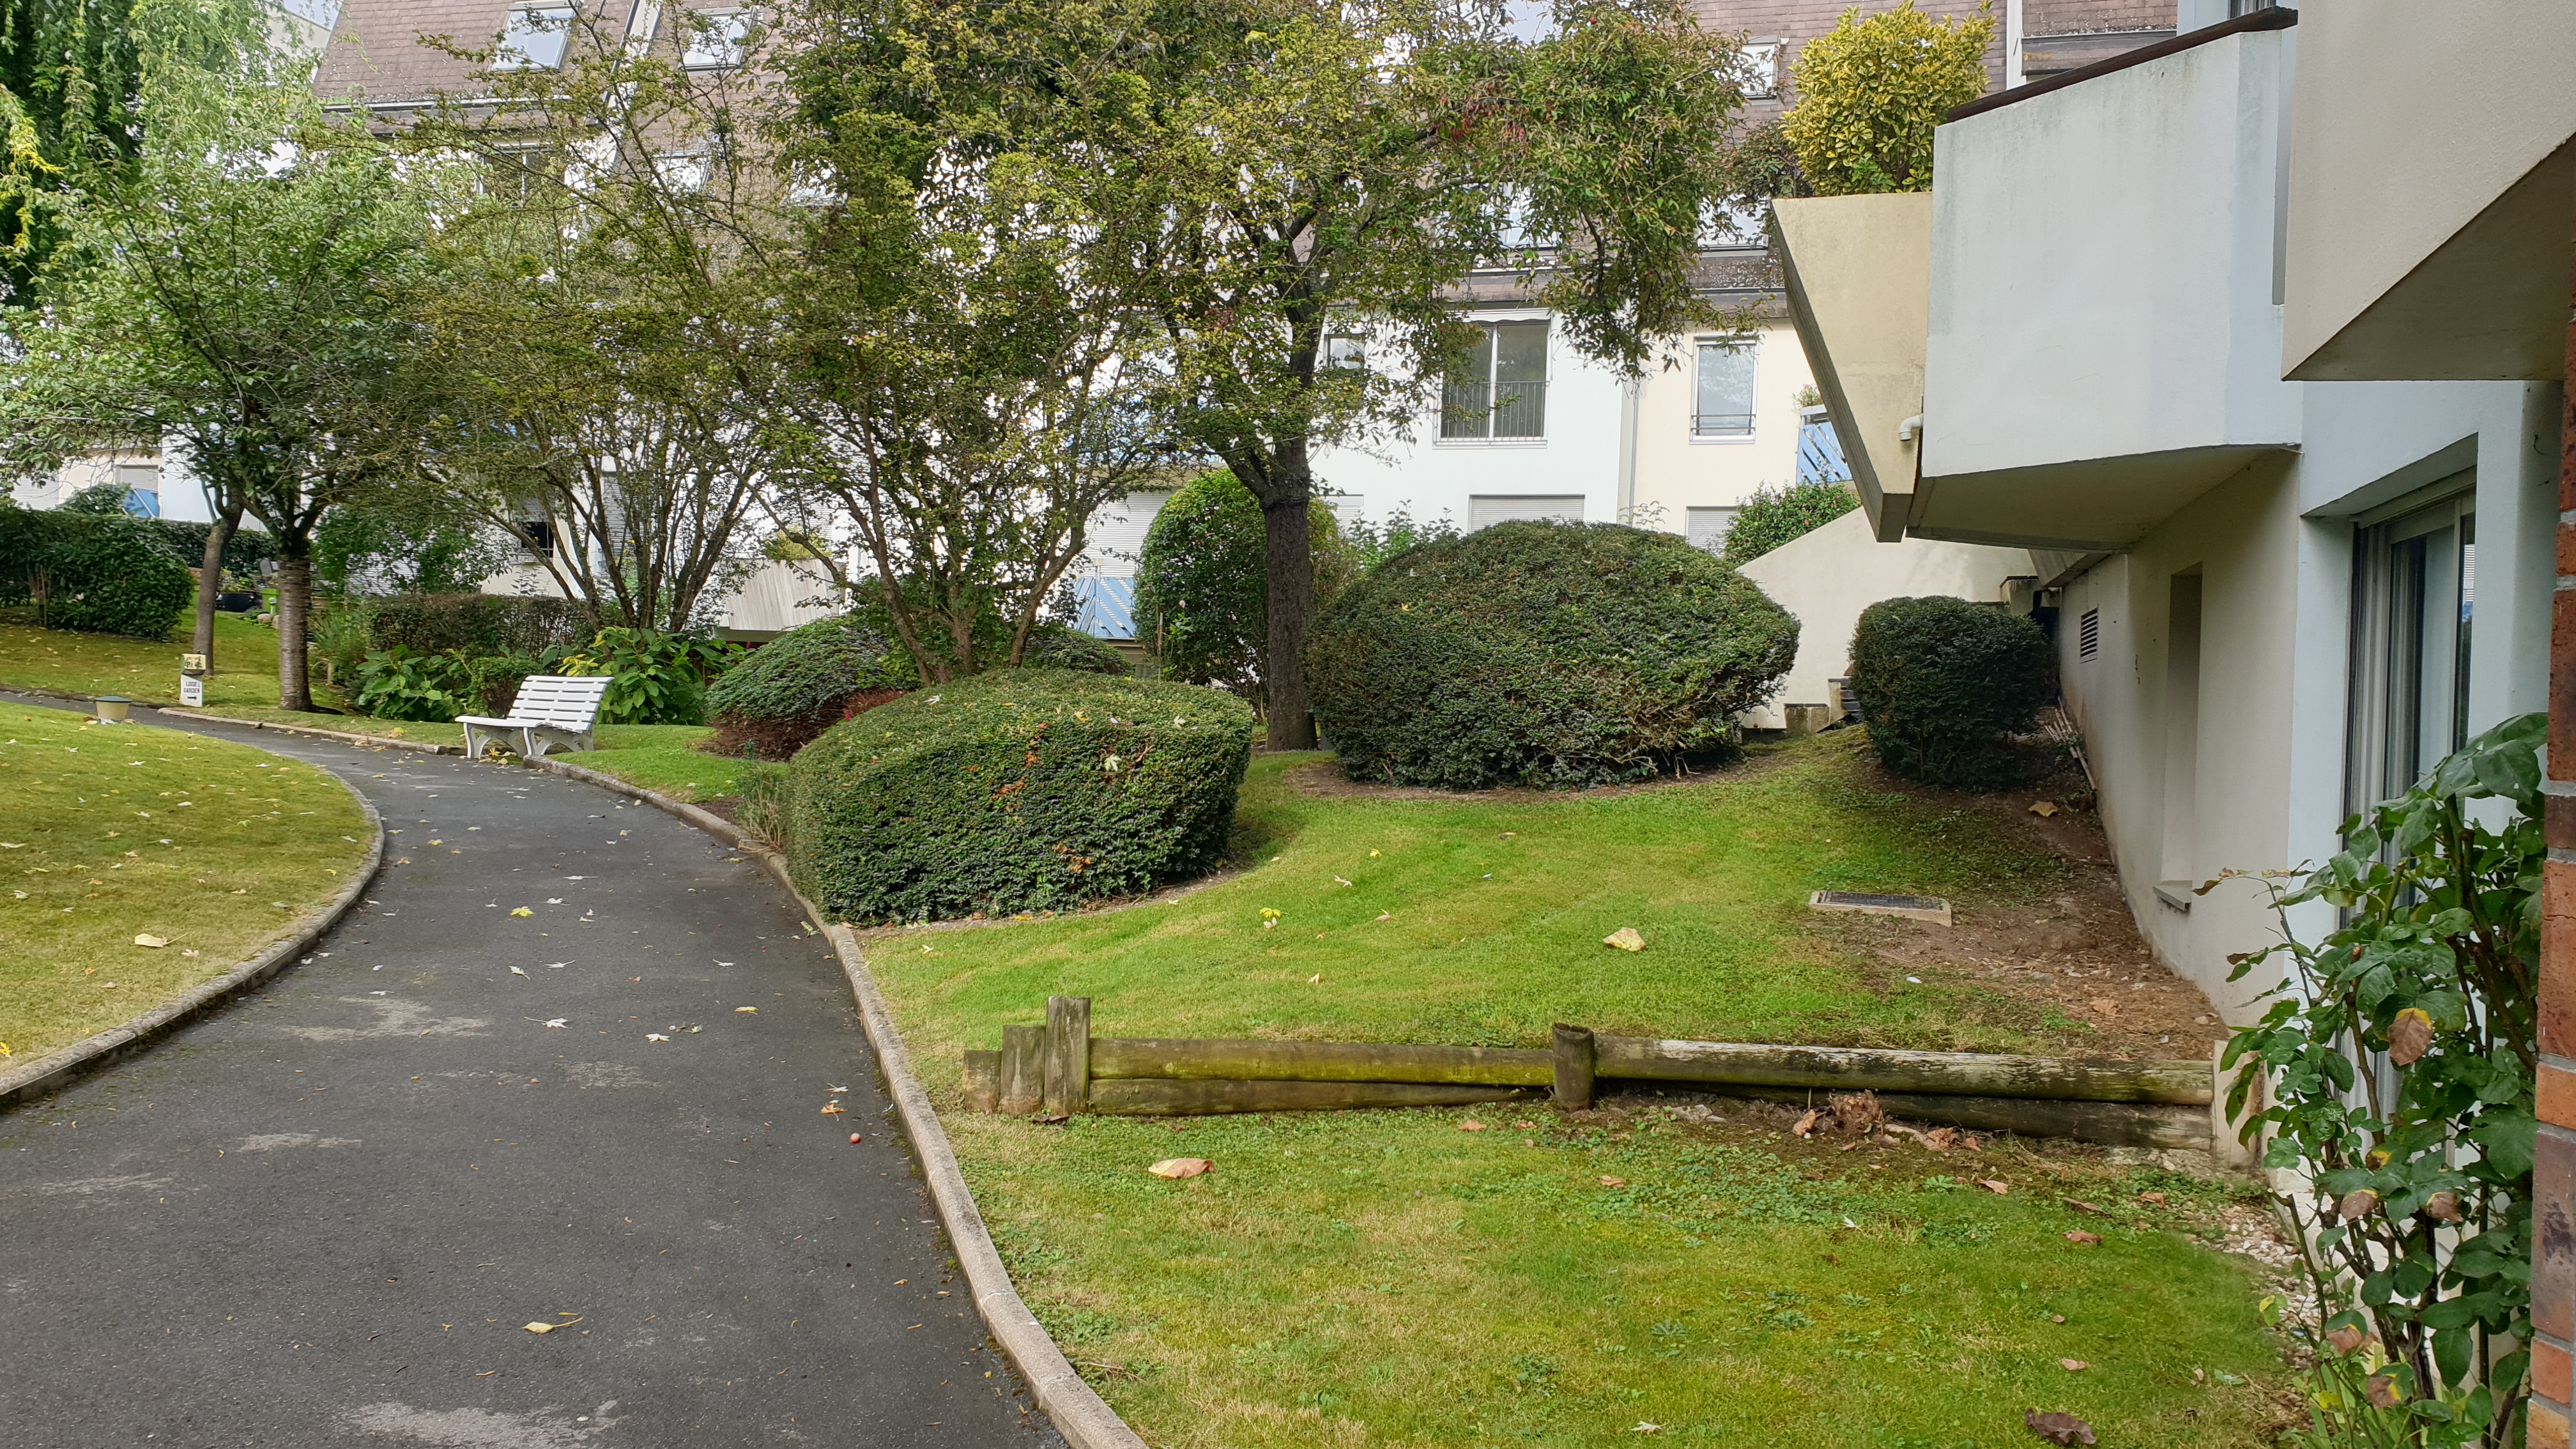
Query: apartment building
x: 2277, y: 597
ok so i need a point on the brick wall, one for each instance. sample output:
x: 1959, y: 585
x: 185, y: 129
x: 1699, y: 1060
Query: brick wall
x: 2080, y: 17
x: 2553, y: 1186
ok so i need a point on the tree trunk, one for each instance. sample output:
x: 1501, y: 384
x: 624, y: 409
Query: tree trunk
x: 210, y: 582
x: 1288, y: 558
x: 294, y: 608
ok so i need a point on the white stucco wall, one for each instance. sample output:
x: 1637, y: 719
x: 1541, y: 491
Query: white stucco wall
x: 1828, y: 577
x: 1677, y: 472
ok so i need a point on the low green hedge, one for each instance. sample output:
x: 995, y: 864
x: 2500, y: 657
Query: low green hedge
x: 1015, y: 790
x: 1944, y: 683
x: 1542, y: 654
x: 475, y: 625
x: 98, y: 574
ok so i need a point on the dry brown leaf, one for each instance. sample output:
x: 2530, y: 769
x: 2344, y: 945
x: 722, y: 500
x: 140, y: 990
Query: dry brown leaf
x: 2443, y: 1207
x: 2156, y: 1198
x: 1177, y: 1167
x: 2073, y: 1365
x: 540, y: 1327
x: 155, y: 942
x: 1994, y: 1185
x: 2382, y: 1391
x: 2083, y: 1239
x: 2058, y: 1428
x: 1626, y: 939
x: 831, y: 1109
x: 2356, y: 1203
x: 1471, y: 1125
x: 1805, y: 1125
x: 2106, y: 1006
x: 2410, y: 1036
x: 2347, y: 1337
x: 2079, y: 1205
x: 2044, y: 808
x: 1614, y: 1182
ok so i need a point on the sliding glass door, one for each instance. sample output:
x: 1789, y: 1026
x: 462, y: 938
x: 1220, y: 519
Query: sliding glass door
x: 2414, y: 598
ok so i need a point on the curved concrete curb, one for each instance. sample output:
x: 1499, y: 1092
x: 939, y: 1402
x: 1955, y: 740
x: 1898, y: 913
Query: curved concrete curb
x: 346, y: 737
x: 1076, y: 1409
x: 53, y: 1070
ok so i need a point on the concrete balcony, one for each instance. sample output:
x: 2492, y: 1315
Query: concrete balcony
x: 2432, y: 194
x: 2102, y: 343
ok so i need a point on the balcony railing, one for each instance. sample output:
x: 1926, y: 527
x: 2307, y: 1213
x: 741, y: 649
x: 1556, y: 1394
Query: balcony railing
x: 1721, y: 425
x: 1499, y: 410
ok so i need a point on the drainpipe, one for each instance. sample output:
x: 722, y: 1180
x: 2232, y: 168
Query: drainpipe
x: 2013, y: 76
x: 1628, y: 388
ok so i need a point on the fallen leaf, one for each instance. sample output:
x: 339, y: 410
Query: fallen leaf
x: 2058, y: 1428
x: 1372, y: 854
x: 1177, y: 1167
x: 155, y: 942
x: 1337, y: 880
x: 1646, y: 1428
x: 1626, y: 939
x: 2079, y: 1205
x: 2106, y: 1006
x: 2073, y: 1365
x: 1471, y: 1125
x: 556, y: 1022
x: 832, y: 1109
x: 1994, y: 1185
x: 514, y: 910
x: 655, y: 1036
x: 540, y: 1327
x: 2083, y: 1239
x: 746, y: 1010
x: 2044, y: 808
x: 2410, y: 1036
x: 1805, y: 1125
x: 1315, y: 980
x: 518, y: 971
x: 1385, y: 916
x: 1614, y: 1182
x: 2156, y: 1198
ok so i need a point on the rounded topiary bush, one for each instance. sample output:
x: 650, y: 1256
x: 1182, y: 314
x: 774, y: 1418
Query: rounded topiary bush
x: 1542, y: 654
x: 1058, y: 646
x: 1014, y: 790
x: 1943, y: 684
x: 112, y: 575
x: 800, y: 684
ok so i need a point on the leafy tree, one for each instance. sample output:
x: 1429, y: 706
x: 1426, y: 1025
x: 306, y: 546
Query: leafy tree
x: 1773, y: 516
x: 1200, y: 599
x: 965, y: 376
x: 244, y: 289
x: 1274, y: 174
x: 1374, y: 543
x: 1870, y: 91
x: 358, y: 548
x: 588, y: 341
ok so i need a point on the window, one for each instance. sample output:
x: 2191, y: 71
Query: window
x: 142, y: 485
x: 681, y: 171
x: 1484, y: 510
x: 1724, y: 408
x: 2088, y: 634
x: 1350, y: 353
x: 533, y: 37
x: 716, y: 39
x: 539, y: 536
x: 1760, y: 71
x: 1499, y: 390
x: 1706, y: 527
x: 2414, y: 590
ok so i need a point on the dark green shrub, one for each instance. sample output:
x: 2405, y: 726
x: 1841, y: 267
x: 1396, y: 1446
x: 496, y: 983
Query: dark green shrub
x: 1059, y: 646
x: 1015, y: 790
x: 98, y: 573
x: 655, y: 678
x: 474, y: 624
x: 1542, y: 654
x: 1942, y: 682
x: 1202, y: 603
x: 1774, y: 516
x: 800, y: 684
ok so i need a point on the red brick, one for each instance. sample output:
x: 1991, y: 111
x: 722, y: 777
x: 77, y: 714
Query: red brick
x: 2558, y: 958
x: 2558, y: 821
x: 2566, y: 550
x: 2553, y: 1258
x: 2557, y: 1095
x: 2562, y: 685
x: 2548, y: 1428
x: 2549, y: 1371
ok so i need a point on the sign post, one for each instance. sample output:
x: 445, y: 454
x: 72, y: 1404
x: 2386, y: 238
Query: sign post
x: 192, y: 680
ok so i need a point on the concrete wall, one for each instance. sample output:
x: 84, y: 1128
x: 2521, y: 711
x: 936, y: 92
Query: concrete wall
x: 1826, y: 578
x: 1857, y: 273
x: 2101, y: 287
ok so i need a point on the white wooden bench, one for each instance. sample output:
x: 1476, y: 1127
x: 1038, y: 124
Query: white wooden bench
x: 552, y: 709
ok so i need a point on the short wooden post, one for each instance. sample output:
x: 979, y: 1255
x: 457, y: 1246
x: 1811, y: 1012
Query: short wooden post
x: 1023, y: 1069
x: 1573, y: 1068
x: 1068, y: 1054
x: 983, y: 1081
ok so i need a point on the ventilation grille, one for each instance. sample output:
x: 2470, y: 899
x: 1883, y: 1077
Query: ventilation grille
x: 2088, y: 634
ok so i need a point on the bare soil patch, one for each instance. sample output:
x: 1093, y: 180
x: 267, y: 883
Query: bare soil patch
x: 2076, y: 954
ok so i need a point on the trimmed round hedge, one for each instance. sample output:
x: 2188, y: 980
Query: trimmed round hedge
x: 1015, y: 790
x: 816, y: 675
x: 1943, y: 683
x: 1546, y: 654
x: 98, y: 574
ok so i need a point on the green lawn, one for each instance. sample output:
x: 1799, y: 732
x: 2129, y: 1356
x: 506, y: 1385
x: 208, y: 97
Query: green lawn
x: 661, y: 758
x: 89, y: 664
x: 1386, y: 1277
x: 110, y: 831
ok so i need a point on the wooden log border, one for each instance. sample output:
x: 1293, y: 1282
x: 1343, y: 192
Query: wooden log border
x: 1060, y: 1068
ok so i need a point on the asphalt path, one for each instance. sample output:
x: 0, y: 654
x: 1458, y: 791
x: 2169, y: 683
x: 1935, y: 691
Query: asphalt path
x: 326, y: 1213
